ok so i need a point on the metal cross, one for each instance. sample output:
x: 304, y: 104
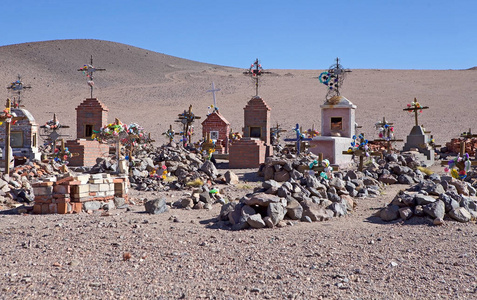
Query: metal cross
x: 213, y: 90
x: 415, y: 107
x: 334, y: 78
x: 50, y: 131
x: 299, y: 138
x: 187, y: 118
x: 89, y: 71
x: 9, y: 118
x: 18, y: 87
x: 255, y: 71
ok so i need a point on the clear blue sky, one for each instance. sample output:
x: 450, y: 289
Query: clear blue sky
x: 284, y: 34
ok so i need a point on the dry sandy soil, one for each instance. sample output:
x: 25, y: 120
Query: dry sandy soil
x: 188, y: 254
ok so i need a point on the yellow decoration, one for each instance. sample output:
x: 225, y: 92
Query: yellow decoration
x: 455, y: 173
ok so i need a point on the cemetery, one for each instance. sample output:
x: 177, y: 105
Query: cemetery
x: 308, y: 176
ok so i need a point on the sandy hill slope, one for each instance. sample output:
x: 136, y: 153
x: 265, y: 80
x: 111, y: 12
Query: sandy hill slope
x: 151, y: 88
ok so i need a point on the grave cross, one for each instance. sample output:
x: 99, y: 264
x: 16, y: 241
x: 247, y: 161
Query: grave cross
x: 187, y: 118
x: 170, y: 133
x: 333, y: 78
x: 468, y: 135
x: 255, y: 71
x: 299, y: 138
x: 275, y: 132
x: 61, y: 155
x: 415, y: 107
x: 8, y: 118
x: 386, y: 133
x: 51, y: 129
x: 89, y: 71
x: 18, y: 87
x: 213, y: 90
x: 360, y: 149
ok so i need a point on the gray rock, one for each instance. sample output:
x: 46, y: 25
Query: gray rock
x: 248, y: 211
x: 261, y: 199
x: 256, y: 221
x: 405, y: 179
x: 156, y: 206
x: 270, y: 183
x: 269, y: 172
x: 225, y: 210
x: 91, y: 205
x: 306, y: 219
x: 268, y: 222
x: 294, y: 174
x: 339, y: 209
x: 460, y: 186
x: 423, y: 199
x: 432, y: 188
x: 337, y: 183
x: 333, y: 197
x: 187, y: 202
x: 235, y: 216
x: 460, y: 214
x: 352, y: 174
x: 231, y: 177
x: 205, y: 197
x: 405, y: 213
x: 388, y: 179
x: 314, y: 211
x: 438, y: 221
x: 109, y: 205
x: 389, y: 213
x: 294, y: 210
x: 450, y: 203
x: 272, y: 191
x: 118, y: 201
x: 435, y: 178
x: 418, y: 211
x: 435, y: 210
x: 209, y: 169
x: 276, y: 212
x: 281, y: 176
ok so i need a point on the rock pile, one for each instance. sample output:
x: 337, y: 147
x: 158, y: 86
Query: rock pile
x: 437, y: 198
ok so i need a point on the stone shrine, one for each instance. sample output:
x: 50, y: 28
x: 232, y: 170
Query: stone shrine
x: 218, y: 129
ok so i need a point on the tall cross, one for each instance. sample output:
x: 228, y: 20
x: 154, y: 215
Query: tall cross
x: 415, y: 107
x: 18, y: 87
x: 8, y: 118
x: 89, y: 71
x: 333, y: 78
x: 299, y: 138
x: 187, y: 118
x: 213, y: 90
x: 255, y: 71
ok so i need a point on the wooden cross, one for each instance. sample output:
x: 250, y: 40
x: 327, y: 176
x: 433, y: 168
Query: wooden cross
x: 170, y: 134
x: 299, y: 138
x: 89, y: 71
x: 468, y: 135
x: 213, y: 90
x: 18, y: 87
x: 8, y: 119
x: 52, y: 127
x: 387, y: 134
x: 318, y: 167
x: 255, y: 71
x: 275, y: 132
x: 415, y: 107
x: 187, y: 118
x: 361, y: 152
x: 312, y: 132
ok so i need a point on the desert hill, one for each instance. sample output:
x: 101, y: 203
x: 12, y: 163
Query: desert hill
x: 151, y: 88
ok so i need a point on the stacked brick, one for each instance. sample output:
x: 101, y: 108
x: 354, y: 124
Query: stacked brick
x: 90, y: 112
x: 216, y: 122
x: 470, y: 146
x: 88, y: 151
x: 70, y: 194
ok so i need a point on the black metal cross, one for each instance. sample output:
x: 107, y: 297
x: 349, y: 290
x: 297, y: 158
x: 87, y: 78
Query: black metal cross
x: 334, y: 78
x: 89, y: 70
x: 17, y: 87
x: 255, y: 71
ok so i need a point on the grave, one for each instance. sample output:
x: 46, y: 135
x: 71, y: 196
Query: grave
x: 418, y: 139
x: 91, y: 115
x: 187, y: 119
x: 217, y: 127
x: 251, y: 150
x: 338, y: 121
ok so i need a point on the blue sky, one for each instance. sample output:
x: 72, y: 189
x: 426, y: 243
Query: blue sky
x: 293, y: 34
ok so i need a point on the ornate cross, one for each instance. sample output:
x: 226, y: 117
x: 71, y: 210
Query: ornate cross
x: 299, y: 138
x: 89, y: 70
x: 255, y: 71
x: 213, y: 90
x: 61, y: 155
x: 170, y: 134
x: 50, y: 131
x: 386, y: 133
x: 415, y: 107
x: 17, y: 87
x: 333, y: 78
x: 187, y: 118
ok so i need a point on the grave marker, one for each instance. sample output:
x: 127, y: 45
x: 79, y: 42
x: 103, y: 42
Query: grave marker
x: 255, y: 71
x: 300, y: 138
x: 89, y: 70
x: 187, y: 118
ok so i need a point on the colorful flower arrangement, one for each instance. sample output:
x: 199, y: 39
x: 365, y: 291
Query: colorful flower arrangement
x: 312, y: 133
x: 61, y: 157
x: 386, y: 131
x: 154, y: 174
x: 459, y: 167
x: 414, y: 106
x: 328, y: 79
x: 16, y: 85
x: 7, y: 116
x: 51, y: 124
x: 327, y: 171
x: 359, y: 143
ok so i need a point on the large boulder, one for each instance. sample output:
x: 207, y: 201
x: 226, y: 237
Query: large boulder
x: 276, y: 212
x: 436, y: 209
x: 156, y: 206
x: 209, y: 169
x: 261, y: 199
x: 460, y: 214
x: 314, y: 211
x: 390, y: 213
x: 294, y: 210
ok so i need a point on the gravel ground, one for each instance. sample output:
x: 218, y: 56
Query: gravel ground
x: 187, y: 254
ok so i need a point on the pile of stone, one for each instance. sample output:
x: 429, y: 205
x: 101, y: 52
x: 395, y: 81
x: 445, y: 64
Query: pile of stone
x: 453, y: 147
x: 438, y: 198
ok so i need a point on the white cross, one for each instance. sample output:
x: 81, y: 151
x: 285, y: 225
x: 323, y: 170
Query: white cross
x: 213, y: 90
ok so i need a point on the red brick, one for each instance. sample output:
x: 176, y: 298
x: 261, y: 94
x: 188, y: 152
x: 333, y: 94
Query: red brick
x: 62, y: 208
x: 37, y: 209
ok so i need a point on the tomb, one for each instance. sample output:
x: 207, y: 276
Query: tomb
x: 338, y: 121
x: 252, y: 149
x: 419, y: 138
x: 216, y: 126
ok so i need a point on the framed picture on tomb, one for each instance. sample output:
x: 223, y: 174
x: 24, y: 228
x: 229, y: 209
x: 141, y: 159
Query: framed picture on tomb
x: 336, y: 123
x: 214, y: 135
x: 256, y: 132
x: 16, y: 139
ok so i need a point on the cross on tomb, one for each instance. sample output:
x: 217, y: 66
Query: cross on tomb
x: 416, y: 108
x: 170, y: 133
x: 360, y: 149
x: 255, y: 71
x: 386, y: 133
x: 312, y: 132
x: 89, y: 70
x: 333, y: 78
x: 187, y: 118
x: 213, y: 90
x: 17, y: 87
x: 275, y: 132
x: 9, y: 119
x: 299, y: 138
x: 51, y: 131
x: 61, y: 155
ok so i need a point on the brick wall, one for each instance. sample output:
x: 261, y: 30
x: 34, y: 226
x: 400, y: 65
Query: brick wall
x: 257, y: 114
x: 90, y: 112
x: 246, y: 153
x: 88, y: 152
